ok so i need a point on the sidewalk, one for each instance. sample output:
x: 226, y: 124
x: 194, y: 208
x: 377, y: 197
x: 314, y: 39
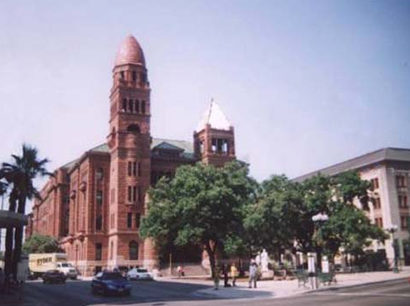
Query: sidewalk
x: 275, y: 289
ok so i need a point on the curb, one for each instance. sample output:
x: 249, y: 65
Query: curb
x: 356, y: 285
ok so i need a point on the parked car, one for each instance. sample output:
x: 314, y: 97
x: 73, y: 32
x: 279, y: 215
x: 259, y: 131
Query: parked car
x: 107, y: 283
x: 139, y: 274
x: 53, y: 276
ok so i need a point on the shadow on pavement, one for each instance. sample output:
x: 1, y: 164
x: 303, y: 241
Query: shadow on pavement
x: 79, y: 293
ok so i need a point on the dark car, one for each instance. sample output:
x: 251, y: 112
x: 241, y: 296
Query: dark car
x: 107, y: 283
x: 54, y: 276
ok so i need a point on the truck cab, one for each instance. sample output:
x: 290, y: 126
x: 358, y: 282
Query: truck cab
x: 67, y: 268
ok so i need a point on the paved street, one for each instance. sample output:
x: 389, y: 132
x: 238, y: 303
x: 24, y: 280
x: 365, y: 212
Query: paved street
x: 78, y: 293
x: 392, y: 293
x: 396, y: 292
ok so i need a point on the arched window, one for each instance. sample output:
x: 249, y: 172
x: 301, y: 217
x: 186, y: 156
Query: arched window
x: 99, y: 173
x: 137, y: 106
x: 124, y: 105
x: 134, y: 128
x: 143, y: 107
x: 133, y: 250
x: 131, y: 105
x: 98, y: 223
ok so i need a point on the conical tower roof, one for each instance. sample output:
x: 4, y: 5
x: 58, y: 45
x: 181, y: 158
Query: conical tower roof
x: 215, y: 117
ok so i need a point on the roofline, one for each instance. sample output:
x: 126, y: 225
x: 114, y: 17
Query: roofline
x: 364, y: 164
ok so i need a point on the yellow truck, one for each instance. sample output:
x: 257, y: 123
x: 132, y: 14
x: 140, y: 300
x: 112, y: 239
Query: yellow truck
x: 40, y: 263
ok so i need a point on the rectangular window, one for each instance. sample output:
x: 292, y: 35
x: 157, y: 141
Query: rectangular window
x: 134, y: 76
x: 98, y: 251
x: 137, y: 106
x: 401, y: 181
x: 214, y: 144
x: 379, y: 222
x: 143, y: 107
x: 137, y: 220
x: 129, y: 193
x: 98, y: 223
x: 139, y: 169
x: 124, y: 105
x: 403, y: 222
x: 377, y: 203
x: 129, y: 220
x: 374, y: 183
x: 134, y: 193
x: 129, y: 168
x: 402, y: 201
x: 134, y: 168
x: 99, y: 197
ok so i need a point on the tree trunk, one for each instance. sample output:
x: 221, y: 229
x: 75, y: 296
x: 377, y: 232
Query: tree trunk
x: 8, y: 254
x: 212, y: 259
x: 18, y: 238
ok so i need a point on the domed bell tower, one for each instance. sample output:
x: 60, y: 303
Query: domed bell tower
x: 129, y: 144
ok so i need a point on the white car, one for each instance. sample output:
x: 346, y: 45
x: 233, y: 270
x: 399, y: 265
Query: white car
x: 139, y: 273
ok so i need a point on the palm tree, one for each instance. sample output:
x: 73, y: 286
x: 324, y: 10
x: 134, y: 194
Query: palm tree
x: 20, y: 174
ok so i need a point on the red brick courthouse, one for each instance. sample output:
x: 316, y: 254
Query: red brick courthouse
x: 93, y: 205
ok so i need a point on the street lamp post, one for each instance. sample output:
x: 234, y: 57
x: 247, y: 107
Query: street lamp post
x: 318, y: 219
x: 392, y: 230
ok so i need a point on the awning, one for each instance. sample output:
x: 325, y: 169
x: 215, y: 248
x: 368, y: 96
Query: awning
x: 8, y: 218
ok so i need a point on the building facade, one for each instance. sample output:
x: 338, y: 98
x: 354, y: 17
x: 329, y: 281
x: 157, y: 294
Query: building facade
x: 94, y: 204
x: 388, y: 171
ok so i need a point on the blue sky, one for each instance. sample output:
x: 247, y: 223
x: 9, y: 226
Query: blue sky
x: 305, y: 83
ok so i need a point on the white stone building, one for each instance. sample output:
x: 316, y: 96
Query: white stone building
x: 388, y: 170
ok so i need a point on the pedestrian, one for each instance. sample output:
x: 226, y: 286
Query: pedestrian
x: 234, y: 274
x: 180, y: 271
x: 225, y: 273
x: 216, y: 278
x: 253, y: 274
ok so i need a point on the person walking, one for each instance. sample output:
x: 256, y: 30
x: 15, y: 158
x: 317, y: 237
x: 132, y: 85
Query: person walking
x: 225, y: 273
x: 253, y: 274
x: 234, y: 274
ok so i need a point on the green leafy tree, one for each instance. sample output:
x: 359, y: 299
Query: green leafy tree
x: 41, y: 244
x: 270, y: 221
x: 347, y: 225
x: 21, y: 174
x: 314, y: 196
x: 284, y: 210
x: 201, y: 205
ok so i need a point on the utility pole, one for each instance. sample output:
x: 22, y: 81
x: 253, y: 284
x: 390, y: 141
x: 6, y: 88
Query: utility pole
x: 1, y: 230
